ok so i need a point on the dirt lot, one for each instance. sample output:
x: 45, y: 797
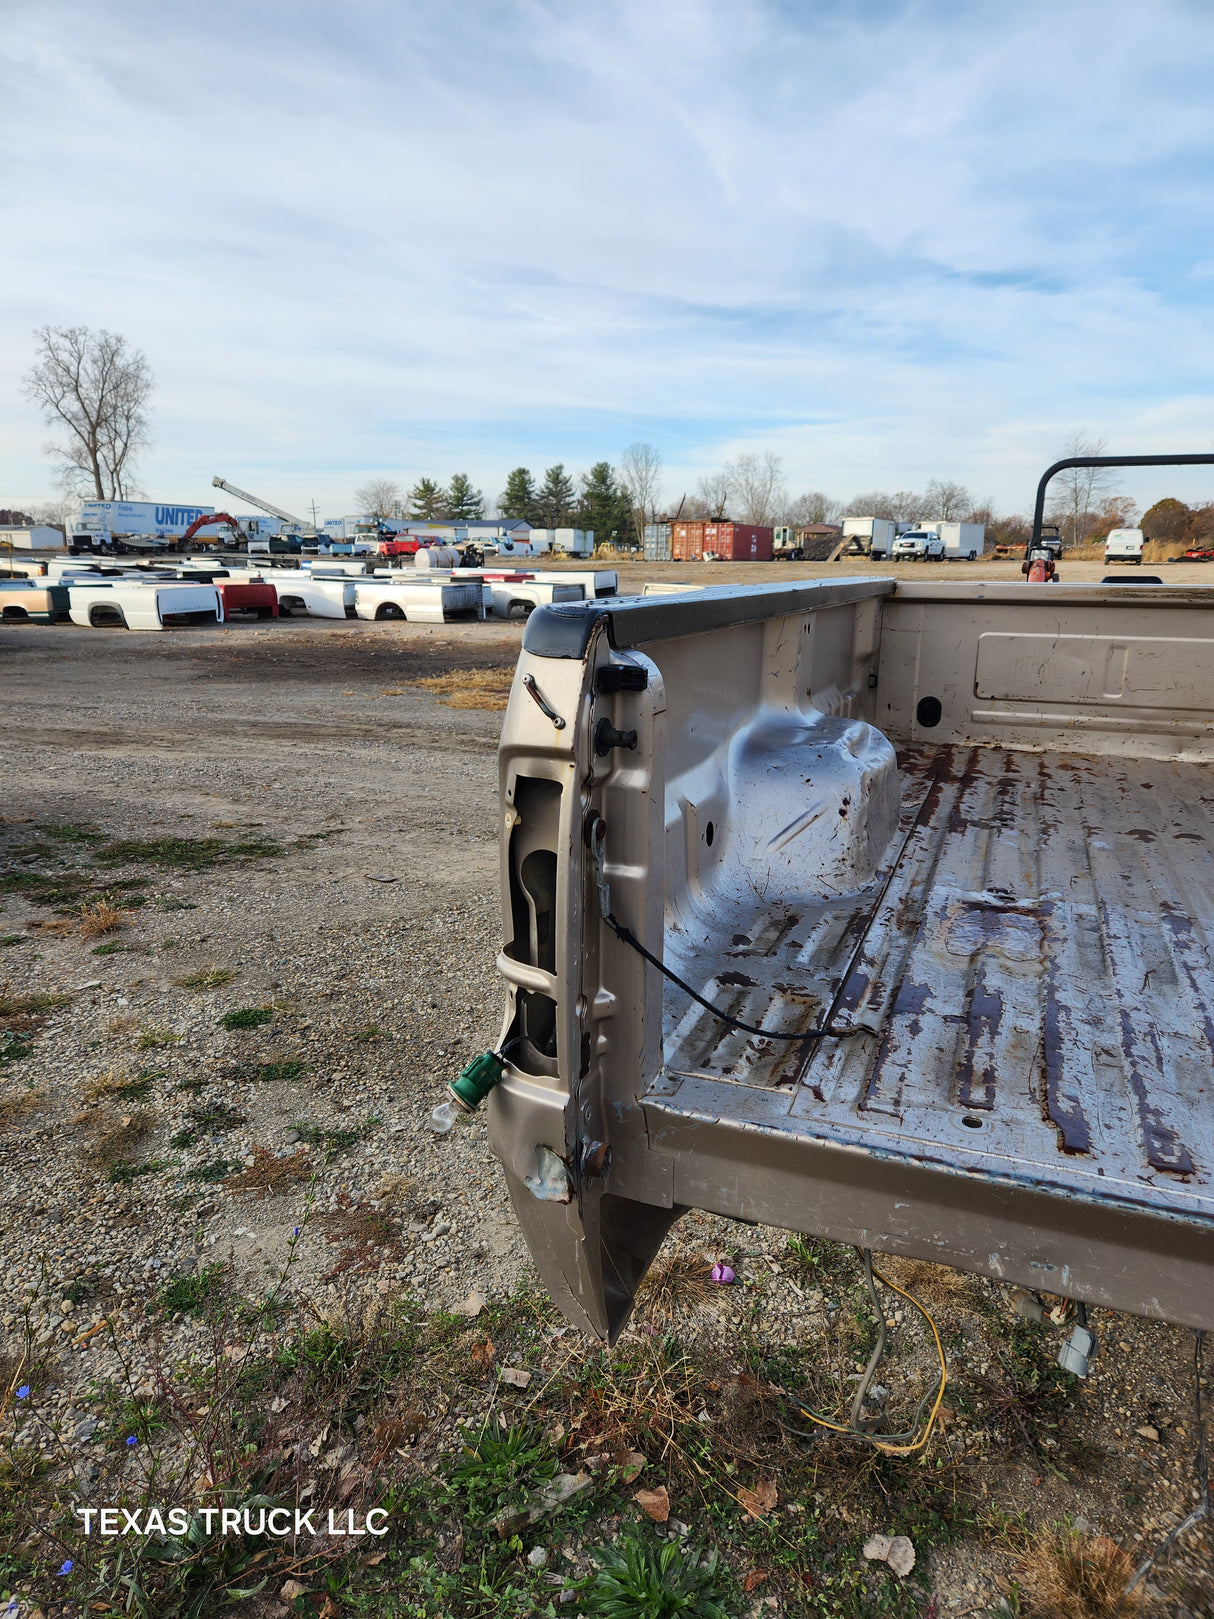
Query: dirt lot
x: 250, y: 916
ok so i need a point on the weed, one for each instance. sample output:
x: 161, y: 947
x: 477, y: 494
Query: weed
x: 115, y: 1083
x: 153, y: 1039
x: 183, y: 1138
x: 13, y: 938
x: 289, y: 1068
x: 196, y: 1292
x: 195, y: 1083
x: 333, y: 1141
x: 1072, y: 1576
x: 15, y: 1108
x: 100, y: 916
x: 678, y: 1281
x: 471, y: 688
x: 270, y: 1175
x: 116, y: 1143
x: 118, y: 1026
x: 371, y: 1031
x: 634, y: 1580
x: 366, y: 1237
x: 500, y: 1463
x: 33, y: 1005
x: 126, y: 1170
x: 216, y: 1118
x: 171, y: 903
x: 186, y: 854
x: 247, y: 1017
x: 208, y: 978
x: 13, y: 1048
x: 217, y: 1170
x: 73, y: 832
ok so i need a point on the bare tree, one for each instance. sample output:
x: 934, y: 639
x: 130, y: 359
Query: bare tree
x: 756, y: 483
x: 93, y: 388
x: 712, y: 495
x: 904, y: 505
x: 378, y: 497
x: 945, y: 500
x: 1075, y: 494
x: 639, y: 474
x: 816, y: 506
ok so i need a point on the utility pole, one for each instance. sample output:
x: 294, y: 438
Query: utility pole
x: 313, y: 514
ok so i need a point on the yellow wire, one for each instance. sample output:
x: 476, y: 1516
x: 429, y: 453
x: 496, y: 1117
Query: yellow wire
x: 888, y: 1449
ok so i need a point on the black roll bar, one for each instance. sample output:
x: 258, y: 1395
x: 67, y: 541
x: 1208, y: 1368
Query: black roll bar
x: 1105, y: 461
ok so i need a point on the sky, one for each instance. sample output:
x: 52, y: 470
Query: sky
x: 888, y: 242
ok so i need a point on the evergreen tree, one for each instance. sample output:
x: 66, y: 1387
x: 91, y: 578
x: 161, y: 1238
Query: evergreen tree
x: 463, y: 501
x: 554, y: 503
x: 604, y: 507
x: 518, y: 499
x: 427, y: 500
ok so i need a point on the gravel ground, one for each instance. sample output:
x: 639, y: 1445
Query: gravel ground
x: 376, y: 992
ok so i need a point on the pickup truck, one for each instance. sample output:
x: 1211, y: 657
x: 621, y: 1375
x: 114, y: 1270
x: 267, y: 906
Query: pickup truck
x: 873, y: 909
x: 920, y: 544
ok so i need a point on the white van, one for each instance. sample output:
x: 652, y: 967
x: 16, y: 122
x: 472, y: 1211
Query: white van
x: 1124, y: 545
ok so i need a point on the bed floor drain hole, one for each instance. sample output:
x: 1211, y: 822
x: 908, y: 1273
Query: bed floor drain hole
x: 971, y: 1121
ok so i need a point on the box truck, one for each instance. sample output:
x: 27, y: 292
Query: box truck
x: 868, y: 536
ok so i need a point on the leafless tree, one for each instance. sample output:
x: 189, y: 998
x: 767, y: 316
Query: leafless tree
x: 639, y: 474
x: 904, y: 505
x: 378, y: 497
x: 816, y: 506
x: 756, y: 484
x: 93, y: 389
x: 946, y: 501
x: 712, y: 495
x: 1075, y: 494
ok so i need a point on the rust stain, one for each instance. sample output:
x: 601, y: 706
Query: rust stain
x: 1062, y: 1106
x: 1164, y: 1148
x: 736, y: 980
x: 984, y: 1016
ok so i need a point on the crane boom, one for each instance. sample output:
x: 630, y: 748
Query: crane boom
x: 275, y: 511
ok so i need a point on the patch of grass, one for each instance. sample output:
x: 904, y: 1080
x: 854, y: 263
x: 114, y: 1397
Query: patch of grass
x: 73, y: 832
x: 217, y: 1170
x: 116, y: 1083
x: 193, y: 1293
x: 471, y: 688
x: 186, y: 854
x: 289, y: 1068
x: 172, y: 903
x: 333, y: 1141
x: 13, y: 1048
x: 1074, y: 1576
x: 153, y: 1039
x: 116, y: 1144
x: 208, y: 978
x: 370, y: 1032
x: 15, y: 1108
x: 127, y: 1170
x: 13, y: 938
x: 503, y: 1463
x: 100, y: 916
x: 270, y: 1175
x: 677, y: 1282
x: 33, y: 1005
x: 366, y: 1237
x: 194, y: 1083
x: 638, y: 1580
x: 248, y: 1017
x: 216, y: 1118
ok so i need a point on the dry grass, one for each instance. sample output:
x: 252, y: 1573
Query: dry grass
x: 268, y: 1175
x: 934, y: 1285
x: 211, y: 977
x: 679, y: 1282
x: 13, y: 1109
x: 119, y: 1141
x: 394, y: 1188
x: 364, y: 1236
x: 98, y: 918
x: 117, y: 1027
x: 471, y: 688
x: 1074, y: 1576
x: 1155, y: 551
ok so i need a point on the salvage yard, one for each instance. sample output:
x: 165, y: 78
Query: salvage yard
x: 250, y: 915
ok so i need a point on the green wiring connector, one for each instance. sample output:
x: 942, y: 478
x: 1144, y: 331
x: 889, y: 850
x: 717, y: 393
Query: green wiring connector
x: 476, y: 1081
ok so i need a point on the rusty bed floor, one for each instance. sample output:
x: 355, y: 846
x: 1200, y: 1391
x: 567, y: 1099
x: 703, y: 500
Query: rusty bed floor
x: 1032, y: 972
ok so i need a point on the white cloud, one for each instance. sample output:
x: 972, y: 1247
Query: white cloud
x: 891, y: 243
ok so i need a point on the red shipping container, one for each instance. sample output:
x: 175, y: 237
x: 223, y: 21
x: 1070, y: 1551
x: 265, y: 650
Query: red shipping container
x: 686, y: 541
x: 732, y: 542
x: 247, y: 598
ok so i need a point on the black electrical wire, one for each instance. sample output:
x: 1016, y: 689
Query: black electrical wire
x: 628, y: 937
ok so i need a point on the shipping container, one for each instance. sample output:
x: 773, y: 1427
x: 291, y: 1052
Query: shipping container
x: 657, y: 542
x: 731, y: 542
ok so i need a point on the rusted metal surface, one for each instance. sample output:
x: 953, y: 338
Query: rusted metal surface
x: 1034, y: 976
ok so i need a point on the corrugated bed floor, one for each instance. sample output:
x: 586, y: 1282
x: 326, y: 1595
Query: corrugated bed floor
x: 1033, y: 971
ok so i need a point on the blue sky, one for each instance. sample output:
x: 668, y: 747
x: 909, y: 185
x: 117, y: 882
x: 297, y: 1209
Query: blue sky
x: 889, y: 242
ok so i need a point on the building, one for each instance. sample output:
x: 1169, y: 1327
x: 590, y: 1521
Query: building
x: 34, y: 537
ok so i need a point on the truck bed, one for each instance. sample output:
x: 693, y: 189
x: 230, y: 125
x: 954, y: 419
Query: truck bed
x: 1032, y: 976
x: 961, y: 831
